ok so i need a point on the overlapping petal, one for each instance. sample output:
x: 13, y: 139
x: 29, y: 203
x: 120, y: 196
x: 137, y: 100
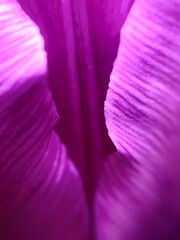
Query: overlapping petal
x: 41, y: 195
x: 138, y: 197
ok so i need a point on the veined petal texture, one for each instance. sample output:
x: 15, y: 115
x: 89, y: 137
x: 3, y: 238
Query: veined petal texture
x: 139, y: 193
x: 41, y: 195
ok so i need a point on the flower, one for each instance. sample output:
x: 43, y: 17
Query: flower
x: 61, y: 177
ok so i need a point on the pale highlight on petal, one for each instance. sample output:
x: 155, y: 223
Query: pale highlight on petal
x: 20, y: 43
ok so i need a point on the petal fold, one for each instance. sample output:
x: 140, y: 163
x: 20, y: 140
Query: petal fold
x: 81, y: 41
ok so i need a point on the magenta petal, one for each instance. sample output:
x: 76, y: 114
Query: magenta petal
x: 138, y: 197
x: 41, y: 195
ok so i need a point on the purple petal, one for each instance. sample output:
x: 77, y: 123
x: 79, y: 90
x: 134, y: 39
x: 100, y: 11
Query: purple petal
x: 41, y: 195
x: 81, y: 41
x: 138, y: 197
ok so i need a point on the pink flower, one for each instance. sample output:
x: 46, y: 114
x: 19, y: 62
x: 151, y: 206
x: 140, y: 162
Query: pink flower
x: 66, y: 171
